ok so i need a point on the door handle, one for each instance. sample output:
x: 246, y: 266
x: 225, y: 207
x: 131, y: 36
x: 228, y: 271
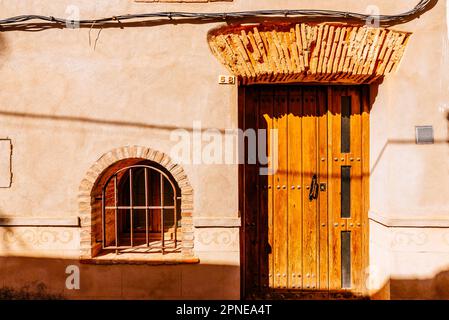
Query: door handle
x: 313, y: 193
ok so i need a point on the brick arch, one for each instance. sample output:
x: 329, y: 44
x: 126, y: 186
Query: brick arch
x: 93, y: 177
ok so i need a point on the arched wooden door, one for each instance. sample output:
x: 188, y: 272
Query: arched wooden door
x: 304, y: 230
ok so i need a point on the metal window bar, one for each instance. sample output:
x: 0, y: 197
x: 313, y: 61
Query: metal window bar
x: 116, y: 212
x: 147, y: 207
x: 131, y: 202
x: 147, y: 236
x: 103, y: 216
x: 138, y: 207
x: 161, y: 192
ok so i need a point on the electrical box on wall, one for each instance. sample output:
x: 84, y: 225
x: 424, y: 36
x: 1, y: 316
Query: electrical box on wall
x: 424, y: 135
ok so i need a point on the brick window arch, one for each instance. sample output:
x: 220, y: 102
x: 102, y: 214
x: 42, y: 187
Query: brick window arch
x: 97, y: 212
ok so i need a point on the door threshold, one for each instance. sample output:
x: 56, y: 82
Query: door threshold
x: 307, y: 295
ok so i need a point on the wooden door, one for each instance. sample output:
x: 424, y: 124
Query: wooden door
x: 304, y: 213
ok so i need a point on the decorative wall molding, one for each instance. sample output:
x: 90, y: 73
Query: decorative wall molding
x: 408, y: 239
x: 36, y: 236
x: 412, y: 222
x: 327, y: 52
x: 39, y: 222
x: 404, y: 239
x: 212, y: 222
x: 217, y: 239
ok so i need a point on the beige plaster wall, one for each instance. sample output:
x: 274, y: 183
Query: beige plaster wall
x: 69, y: 96
x: 409, y: 263
x: 409, y: 182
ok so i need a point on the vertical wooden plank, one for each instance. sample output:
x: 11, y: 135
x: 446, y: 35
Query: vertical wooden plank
x: 334, y: 158
x: 280, y: 236
x: 257, y: 197
x: 265, y: 117
x: 294, y: 189
x: 269, y: 116
x: 251, y: 196
x: 355, y: 161
x: 356, y: 223
x: 156, y: 192
x: 331, y: 237
x: 309, y: 165
x: 241, y: 168
x: 323, y: 194
x: 365, y: 182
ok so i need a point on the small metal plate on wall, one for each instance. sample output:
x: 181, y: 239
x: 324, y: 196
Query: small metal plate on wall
x: 424, y: 135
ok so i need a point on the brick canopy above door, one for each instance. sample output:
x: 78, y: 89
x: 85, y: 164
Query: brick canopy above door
x: 328, y: 52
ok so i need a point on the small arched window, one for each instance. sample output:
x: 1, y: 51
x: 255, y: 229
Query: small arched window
x: 140, y: 210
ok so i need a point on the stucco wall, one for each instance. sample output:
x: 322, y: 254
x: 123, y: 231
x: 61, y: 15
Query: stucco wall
x: 69, y: 96
x: 410, y: 183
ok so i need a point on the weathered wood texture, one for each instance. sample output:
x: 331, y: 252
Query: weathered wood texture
x: 326, y: 52
x: 293, y: 242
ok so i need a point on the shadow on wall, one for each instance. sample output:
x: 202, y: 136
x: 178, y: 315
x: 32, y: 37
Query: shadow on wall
x: 7, y: 236
x: 447, y: 118
x: 374, y: 89
x: 432, y: 288
x: 4, y: 50
x: 45, y: 278
x: 421, y: 289
x: 94, y: 121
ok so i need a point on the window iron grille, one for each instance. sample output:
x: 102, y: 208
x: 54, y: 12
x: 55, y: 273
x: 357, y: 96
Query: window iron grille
x: 121, y: 185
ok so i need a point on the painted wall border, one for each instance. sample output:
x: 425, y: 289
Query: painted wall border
x: 216, y: 222
x: 402, y: 222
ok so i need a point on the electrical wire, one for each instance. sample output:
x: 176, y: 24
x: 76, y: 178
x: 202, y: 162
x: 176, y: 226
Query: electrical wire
x: 419, y: 8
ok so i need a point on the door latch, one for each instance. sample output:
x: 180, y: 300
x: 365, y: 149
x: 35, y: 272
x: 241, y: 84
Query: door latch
x: 313, y: 194
x: 322, y: 186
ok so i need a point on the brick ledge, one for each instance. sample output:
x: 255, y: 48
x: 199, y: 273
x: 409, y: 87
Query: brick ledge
x: 39, y: 222
x: 141, y: 259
